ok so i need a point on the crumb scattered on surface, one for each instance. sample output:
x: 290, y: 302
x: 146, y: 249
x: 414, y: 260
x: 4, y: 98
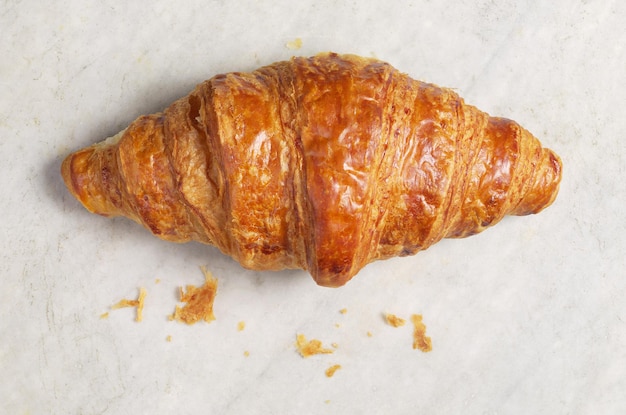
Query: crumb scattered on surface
x: 394, y: 320
x: 241, y: 325
x: 420, y: 340
x: 343, y: 310
x: 168, y: 338
x: 334, y: 345
x: 138, y: 303
x: 331, y: 370
x: 294, y: 44
x: 104, y: 315
x: 157, y: 281
x: 369, y: 334
x: 199, y: 301
x: 310, y: 348
x: 337, y: 325
x: 246, y: 353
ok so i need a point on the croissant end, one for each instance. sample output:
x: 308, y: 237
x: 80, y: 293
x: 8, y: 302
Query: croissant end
x: 91, y: 190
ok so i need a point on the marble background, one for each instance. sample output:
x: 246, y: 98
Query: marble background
x: 527, y: 317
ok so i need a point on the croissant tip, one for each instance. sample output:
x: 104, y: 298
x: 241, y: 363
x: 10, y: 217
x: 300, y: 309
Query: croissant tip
x: 553, y: 171
x: 332, y: 278
x: 76, y: 170
x: 66, y: 174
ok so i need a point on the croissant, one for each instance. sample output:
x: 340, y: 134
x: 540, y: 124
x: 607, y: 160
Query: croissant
x: 324, y: 163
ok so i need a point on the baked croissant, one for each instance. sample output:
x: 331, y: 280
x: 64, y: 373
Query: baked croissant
x: 324, y: 163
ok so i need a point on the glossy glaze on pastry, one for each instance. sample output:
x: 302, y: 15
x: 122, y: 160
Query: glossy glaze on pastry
x: 324, y: 163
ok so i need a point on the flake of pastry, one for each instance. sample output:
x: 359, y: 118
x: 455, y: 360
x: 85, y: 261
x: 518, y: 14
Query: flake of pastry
x: 308, y: 348
x: 138, y: 303
x: 199, y: 301
x: 420, y: 340
x: 394, y: 320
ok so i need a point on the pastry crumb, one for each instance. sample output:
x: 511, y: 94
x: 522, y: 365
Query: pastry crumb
x: 138, y: 303
x: 104, y: 315
x: 199, y: 301
x: 157, y: 281
x: 241, y: 326
x: 420, y: 340
x: 369, y: 334
x: 168, y: 338
x: 331, y: 370
x: 334, y: 345
x: 394, y: 320
x: 310, y: 348
x: 246, y: 353
x: 294, y: 44
x: 343, y: 310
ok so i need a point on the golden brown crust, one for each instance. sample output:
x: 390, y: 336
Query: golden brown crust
x: 324, y: 163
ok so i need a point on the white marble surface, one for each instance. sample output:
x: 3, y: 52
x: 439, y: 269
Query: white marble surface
x: 528, y: 317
